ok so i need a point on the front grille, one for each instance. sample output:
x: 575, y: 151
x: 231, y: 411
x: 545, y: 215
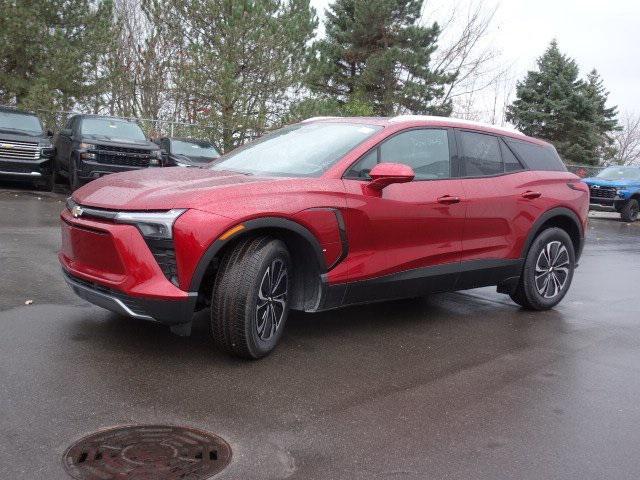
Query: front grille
x: 602, y: 192
x: 130, y: 157
x: 165, y: 255
x: 19, y: 150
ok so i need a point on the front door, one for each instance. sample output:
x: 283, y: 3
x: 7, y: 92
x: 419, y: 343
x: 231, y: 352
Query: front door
x: 409, y: 239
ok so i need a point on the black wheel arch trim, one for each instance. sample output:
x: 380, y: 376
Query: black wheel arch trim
x: 249, y: 226
x: 561, y: 212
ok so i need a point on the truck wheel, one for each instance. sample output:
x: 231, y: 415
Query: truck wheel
x: 548, y: 271
x: 74, y: 181
x: 630, y: 211
x: 250, y: 299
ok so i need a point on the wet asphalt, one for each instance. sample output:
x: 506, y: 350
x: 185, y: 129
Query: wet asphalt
x: 454, y: 386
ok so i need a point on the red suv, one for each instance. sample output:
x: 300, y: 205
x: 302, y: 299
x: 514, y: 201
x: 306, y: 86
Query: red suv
x: 326, y: 213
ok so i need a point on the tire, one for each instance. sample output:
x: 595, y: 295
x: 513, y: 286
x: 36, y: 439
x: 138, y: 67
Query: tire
x: 530, y: 294
x: 244, y: 305
x: 74, y: 181
x: 630, y: 211
x: 46, y: 185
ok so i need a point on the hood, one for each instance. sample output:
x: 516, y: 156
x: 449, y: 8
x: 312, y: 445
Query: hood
x: 610, y: 183
x: 120, y: 142
x: 42, y: 140
x: 164, y: 188
x: 192, y: 161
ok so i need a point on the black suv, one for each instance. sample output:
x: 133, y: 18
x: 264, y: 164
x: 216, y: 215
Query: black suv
x: 186, y: 152
x: 26, y: 151
x: 91, y: 146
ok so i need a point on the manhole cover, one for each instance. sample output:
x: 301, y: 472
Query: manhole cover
x: 157, y: 452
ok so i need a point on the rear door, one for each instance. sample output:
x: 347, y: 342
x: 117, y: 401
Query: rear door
x: 502, y: 201
x: 413, y: 230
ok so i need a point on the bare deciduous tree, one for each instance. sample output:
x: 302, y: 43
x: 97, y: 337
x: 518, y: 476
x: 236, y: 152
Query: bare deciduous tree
x: 627, y: 140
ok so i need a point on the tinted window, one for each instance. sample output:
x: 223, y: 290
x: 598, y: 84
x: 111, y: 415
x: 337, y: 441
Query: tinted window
x: 511, y: 163
x: 363, y: 166
x: 480, y: 155
x: 537, y: 157
x: 426, y: 151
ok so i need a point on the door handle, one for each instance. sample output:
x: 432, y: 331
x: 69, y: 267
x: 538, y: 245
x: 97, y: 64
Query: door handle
x: 448, y: 200
x: 531, y: 195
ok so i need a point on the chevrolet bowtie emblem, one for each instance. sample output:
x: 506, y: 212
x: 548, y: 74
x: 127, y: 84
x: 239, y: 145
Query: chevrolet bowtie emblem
x: 6, y: 145
x: 76, y: 211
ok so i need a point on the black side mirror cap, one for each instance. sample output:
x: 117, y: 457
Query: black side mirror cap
x: 49, y: 133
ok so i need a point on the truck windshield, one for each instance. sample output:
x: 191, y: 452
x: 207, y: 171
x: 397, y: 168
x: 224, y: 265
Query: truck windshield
x: 20, y: 122
x: 193, y: 149
x: 301, y: 150
x: 620, y: 173
x: 112, y: 128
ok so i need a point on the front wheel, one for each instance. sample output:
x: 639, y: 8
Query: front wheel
x: 547, y: 272
x: 630, y: 211
x: 250, y: 300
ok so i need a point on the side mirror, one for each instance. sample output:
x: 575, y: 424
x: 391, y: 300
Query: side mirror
x: 49, y: 133
x: 385, y: 174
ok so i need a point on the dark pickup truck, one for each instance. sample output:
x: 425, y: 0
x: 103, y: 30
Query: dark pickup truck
x: 26, y: 152
x: 91, y: 146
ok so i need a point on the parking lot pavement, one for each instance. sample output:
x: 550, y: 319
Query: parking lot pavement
x: 462, y: 385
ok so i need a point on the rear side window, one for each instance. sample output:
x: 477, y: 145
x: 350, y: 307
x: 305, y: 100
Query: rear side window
x: 537, y: 157
x: 511, y: 163
x: 480, y: 155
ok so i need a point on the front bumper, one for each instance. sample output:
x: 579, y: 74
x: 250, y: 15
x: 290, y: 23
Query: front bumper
x: 167, y: 312
x: 26, y: 169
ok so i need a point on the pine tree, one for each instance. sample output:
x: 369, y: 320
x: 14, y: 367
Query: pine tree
x: 376, y: 59
x: 242, y: 62
x: 604, y: 118
x: 553, y: 103
x: 48, y: 51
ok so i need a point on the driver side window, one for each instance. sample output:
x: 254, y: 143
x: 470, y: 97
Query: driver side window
x: 424, y: 150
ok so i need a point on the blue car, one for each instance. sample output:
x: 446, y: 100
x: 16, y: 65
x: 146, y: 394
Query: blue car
x: 616, y: 188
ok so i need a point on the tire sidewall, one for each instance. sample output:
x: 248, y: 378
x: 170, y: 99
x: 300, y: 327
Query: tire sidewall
x: 630, y: 211
x: 259, y: 347
x: 533, y: 296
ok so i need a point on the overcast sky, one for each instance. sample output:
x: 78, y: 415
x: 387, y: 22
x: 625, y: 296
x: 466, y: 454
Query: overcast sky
x: 600, y: 34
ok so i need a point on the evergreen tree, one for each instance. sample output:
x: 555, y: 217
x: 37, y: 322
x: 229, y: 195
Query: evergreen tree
x: 553, y: 103
x: 48, y: 51
x: 604, y: 118
x: 242, y: 62
x: 376, y: 59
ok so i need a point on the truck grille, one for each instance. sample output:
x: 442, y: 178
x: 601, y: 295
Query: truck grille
x: 602, y: 192
x: 19, y: 150
x: 130, y: 157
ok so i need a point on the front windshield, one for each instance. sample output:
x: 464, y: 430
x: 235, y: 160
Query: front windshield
x: 193, y: 149
x: 300, y: 150
x: 112, y: 129
x: 619, y: 173
x: 20, y: 122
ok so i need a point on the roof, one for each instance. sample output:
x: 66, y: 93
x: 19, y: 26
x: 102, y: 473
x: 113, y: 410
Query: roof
x: 106, y: 117
x: 411, y: 120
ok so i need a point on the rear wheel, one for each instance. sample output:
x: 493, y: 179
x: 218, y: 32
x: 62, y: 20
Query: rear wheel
x: 630, y: 211
x: 548, y: 271
x: 250, y: 300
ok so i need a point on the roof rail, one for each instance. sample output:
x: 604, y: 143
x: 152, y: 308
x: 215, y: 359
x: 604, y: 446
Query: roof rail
x: 459, y: 121
x: 313, y: 119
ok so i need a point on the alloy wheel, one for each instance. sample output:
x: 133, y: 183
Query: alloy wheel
x: 272, y: 299
x: 552, y: 269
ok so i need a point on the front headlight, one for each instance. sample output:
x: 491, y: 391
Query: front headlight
x: 152, y: 225
x: 85, y: 154
x: 622, y: 193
